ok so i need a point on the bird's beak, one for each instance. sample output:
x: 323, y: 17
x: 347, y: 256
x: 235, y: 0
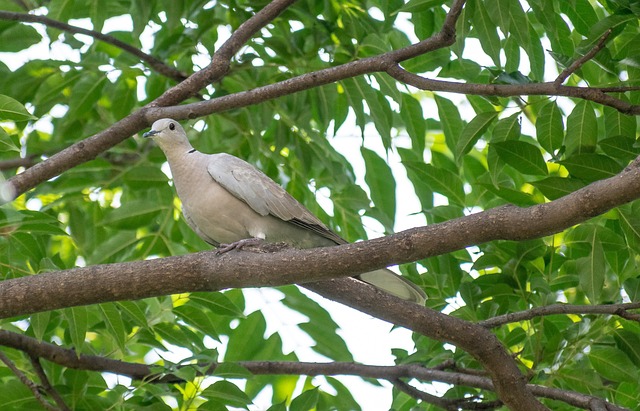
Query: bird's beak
x: 150, y: 133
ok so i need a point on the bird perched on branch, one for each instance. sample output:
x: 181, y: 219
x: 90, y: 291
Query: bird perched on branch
x: 229, y: 204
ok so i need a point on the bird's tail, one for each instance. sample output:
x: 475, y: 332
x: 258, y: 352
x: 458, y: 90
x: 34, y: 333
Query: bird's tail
x: 394, y: 284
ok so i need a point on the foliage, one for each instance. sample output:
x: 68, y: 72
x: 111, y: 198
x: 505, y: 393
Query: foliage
x: 462, y: 154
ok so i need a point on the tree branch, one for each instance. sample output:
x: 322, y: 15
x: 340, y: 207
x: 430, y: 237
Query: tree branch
x: 594, y: 94
x: 46, y: 385
x: 26, y: 381
x: 579, y: 62
x: 621, y: 310
x: 156, y: 64
x: 70, y: 359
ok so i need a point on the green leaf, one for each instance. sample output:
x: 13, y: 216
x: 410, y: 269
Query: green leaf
x: 305, y: 401
x: 60, y: 9
x: 582, y: 129
x: 621, y: 147
x: 549, y: 127
x: 133, y: 214
x: 413, y: 119
x: 7, y: 143
x: 619, y: 124
x: 39, y: 323
x: 499, y: 14
x: 615, y: 22
x: 217, y: 302
x: 115, y: 326
x: 278, y: 407
x: 472, y: 133
x: 415, y: 6
x: 486, y: 32
x: 440, y: 180
x: 247, y: 339
x: 382, y: 186
x: 632, y: 287
x: 591, y: 167
x: 99, y: 10
x: 119, y: 245
x: 506, y: 129
x: 226, y: 393
x: 320, y: 327
x: 555, y: 187
x: 527, y: 38
x: 18, y: 37
x: 77, y: 321
x: 629, y: 343
x: 85, y: 94
x: 11, y: 109
x: 198, y: 318
x: 450, y: 120
x: 134, y: 312
x: 581, y: 14
x: 613, y: 364
x: 382, y: 116
x: 524, y: 157
x: 591, y: 271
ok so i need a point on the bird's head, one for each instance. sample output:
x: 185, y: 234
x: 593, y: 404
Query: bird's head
x: 168, y: 134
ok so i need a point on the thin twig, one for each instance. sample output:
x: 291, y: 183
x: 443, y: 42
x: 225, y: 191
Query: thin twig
x: 26, y: 381
x: 621, y: 310
x: 579, y: 62
x: 46, y: 385
x: 151, y: 61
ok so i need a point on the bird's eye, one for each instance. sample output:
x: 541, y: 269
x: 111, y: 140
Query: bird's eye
x: 172, y: 126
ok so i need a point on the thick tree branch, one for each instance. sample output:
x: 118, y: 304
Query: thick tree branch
x: 621, y: 310
x: 156, y: 64
x: 594, y: 94
x: 70, y: 359
x: 89, y: 148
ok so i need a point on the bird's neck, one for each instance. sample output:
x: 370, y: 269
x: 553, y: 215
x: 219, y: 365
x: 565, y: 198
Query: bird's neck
x: 179, y: 153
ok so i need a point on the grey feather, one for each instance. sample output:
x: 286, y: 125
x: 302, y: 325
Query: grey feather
x: 263, y: 195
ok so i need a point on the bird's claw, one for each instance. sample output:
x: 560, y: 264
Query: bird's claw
x: 238, y: 245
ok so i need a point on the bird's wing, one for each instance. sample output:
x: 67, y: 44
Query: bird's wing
x: 264, y: 195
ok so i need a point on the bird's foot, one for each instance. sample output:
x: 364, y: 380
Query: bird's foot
x: 239, y: 245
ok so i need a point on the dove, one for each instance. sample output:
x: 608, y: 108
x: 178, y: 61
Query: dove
x: 229, y: 203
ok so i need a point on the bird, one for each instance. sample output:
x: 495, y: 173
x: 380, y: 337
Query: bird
x: 229, y: 203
